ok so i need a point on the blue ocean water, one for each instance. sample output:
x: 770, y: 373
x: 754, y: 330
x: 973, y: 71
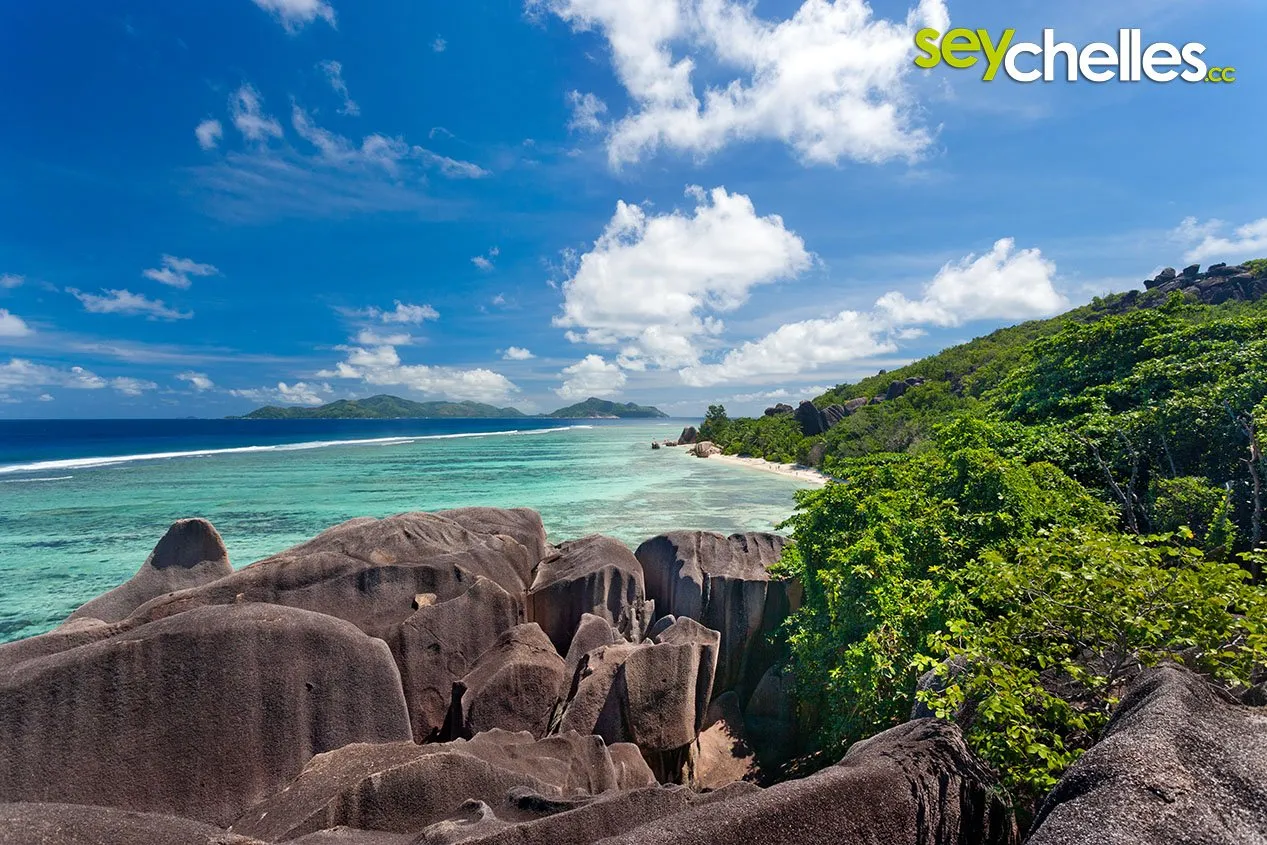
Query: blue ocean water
x: 82, y: 502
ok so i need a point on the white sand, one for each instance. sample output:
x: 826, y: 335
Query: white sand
x: 806, y: 474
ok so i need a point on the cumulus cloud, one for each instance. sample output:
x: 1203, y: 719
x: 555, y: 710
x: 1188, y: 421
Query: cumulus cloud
x: 23, y: 374
x: 334, y: 75
x: 1211, y: 240
x: 175, y: 272
x: 796, y: 348
x: 485, y: 262
x: 517, y: 353
x: 126, y: 302
x: 9, y: 280
x: 382, y: 366
x: 369, y: 337
x: 403, y: 313
x: 652, y: 285
x: 209, y: 133
x: 299, y: 393
x: 295, y: 14
x: 198, y: 381
x: 1003, y: 284
x: 591, y: 376
x: 831, y: 81
x: 587, y: 112
x: 11, y: 325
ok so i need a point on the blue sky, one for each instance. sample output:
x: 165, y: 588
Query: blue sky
x: 208, y: 206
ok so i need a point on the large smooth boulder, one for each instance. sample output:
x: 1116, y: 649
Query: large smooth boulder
x: 199, y: 715
x: 810, y: 419
x: 441, y: 643
x: 593, y: 632
x: 517, y: 685
x: 1180, y: 762
x: 725, y: 584
x: 723, y: 754
x: 523, y: 524
x: 916, y: 784
x: 596, y: 575
x: 190, y: 554
x: 71, y: 824
x: 689, y: 435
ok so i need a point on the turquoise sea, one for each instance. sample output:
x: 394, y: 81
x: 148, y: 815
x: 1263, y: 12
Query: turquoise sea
x: 83, y: 502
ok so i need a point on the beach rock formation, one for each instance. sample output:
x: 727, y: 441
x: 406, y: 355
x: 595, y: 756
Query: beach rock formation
x: 705, y: 449
x: 595, y: 575
x: 199, y: 715
x: 689, y: 435
x: 810, y: 419
x: 916, y: 783
x: 70, y: 824
x: 190, y: 554
x: 723, y: 583
x: 1179, y: 762
x: 522, y: 524
x: 516, y: 686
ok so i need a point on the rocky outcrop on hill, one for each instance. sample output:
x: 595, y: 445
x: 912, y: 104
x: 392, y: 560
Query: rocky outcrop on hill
x: 451, y: 678
x: 1180, y: 762
x: 689, y: 435
x: 1218, y: 284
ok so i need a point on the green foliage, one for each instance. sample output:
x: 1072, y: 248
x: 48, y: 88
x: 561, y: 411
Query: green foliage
x: 1257, y: 266
x: 776, y: 438
x: 592, y: 407
x: 1193, y: 504
x: 715, y: 425
x: 873, y: 553
x: 1048, y: 635
x: 383, y: 407
x: 902, y: 425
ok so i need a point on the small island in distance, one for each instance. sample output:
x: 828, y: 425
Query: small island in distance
x: 385, y: 407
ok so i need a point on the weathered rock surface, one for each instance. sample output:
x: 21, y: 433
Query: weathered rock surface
x: 723, y: 754
x: 596, y: 575
x: 190, y: 554
x: 810, y: 419
x: 689, y: 435
x: 523, y: 524
x: 441, y: 643
x: 1179, y: 762
x: 705, y: 449
x: 1218, y: 284
x: 592, y: 632
x: 724, y: 583
x: 771, y: 719
x: 198, y: 715
x: 916, y: 783
x: 69, y: 824
x: 517, y: 684
x: 779, y: 410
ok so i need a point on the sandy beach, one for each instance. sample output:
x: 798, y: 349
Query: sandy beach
x: 803, y: 473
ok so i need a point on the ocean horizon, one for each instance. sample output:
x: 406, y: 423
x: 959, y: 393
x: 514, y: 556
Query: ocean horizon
x: 82, y: 502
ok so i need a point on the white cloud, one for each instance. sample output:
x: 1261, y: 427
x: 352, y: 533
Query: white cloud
x: 652, y: 285
x: 381, y: 366
x: 781, y: 393
x: 300, y: 393
x: 44, y: 397
x: 830, y: 81
x: 1210, y: 240
x: 451, y: 167
x: 587, y: 112
x: 21, y: 373
x: 9, y: 280
x: 517, y: 353
x: 439, y: 45
x: 334, y: 75
x: 482, y: 262
x: 1002, y: 284
x: 246, y: 106
x: 132, y: 386
x: 369, y: 337
x: 295, y: 14
x: 126, y: 302
x: 403, y: 314
x: 198, y: 381
x: 796, y: 348
x: 591, y: 376
x: 175, y: 272
x: 11, y: 325
x: 209, y: 133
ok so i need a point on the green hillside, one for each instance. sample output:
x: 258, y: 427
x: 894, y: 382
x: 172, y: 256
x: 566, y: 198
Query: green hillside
x: 384, y: 408
x: 601, y: 408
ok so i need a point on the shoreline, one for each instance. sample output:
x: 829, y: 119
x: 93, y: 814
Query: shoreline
x: 797, y: 471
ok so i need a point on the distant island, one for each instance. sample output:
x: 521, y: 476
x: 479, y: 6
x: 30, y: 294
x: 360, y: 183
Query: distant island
x: 593, y: 408
x: 385, y: 407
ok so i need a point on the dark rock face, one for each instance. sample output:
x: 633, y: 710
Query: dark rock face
x: 190, y: 554
x: 779, y: 410
x: 516, y: 685
x: 833, y: 414
x: 1180, y: 762
x: 810, y: 419
x: 916, y: 783
x: 689, y: 435
x: 1218, y: 284
x: 593, y: 632
x: 157, y: 719
x: 723, y: 583
x: 595, y: 575
x: 770, y: 717
x: 68, y: 824
x: 853, y: 405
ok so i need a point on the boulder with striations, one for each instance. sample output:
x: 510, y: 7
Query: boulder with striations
x: 517, y: 685
x: 71, y: 824
x: 199, y: 715
x: 596, y: 575
x: 1179, y: 762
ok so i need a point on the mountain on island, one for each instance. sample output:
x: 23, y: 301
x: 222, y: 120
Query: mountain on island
x: 385, y: 407
x: 593, y: 408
